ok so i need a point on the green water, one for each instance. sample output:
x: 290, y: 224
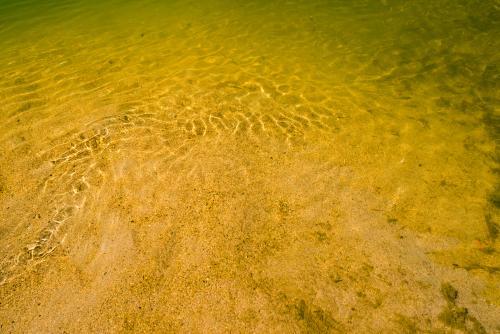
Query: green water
x: 249, y: 166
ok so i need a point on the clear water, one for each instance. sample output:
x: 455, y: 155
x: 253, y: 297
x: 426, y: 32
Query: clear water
x: 249, y: 166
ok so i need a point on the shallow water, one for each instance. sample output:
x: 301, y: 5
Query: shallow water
x: 249, y: 166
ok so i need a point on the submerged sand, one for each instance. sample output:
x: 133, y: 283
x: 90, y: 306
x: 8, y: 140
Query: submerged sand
x: 308, y: 166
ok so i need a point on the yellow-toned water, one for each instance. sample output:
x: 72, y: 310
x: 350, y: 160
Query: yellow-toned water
x: 249, y: 166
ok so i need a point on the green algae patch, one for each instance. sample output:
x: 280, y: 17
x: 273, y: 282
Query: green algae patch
x: 315, y: 319
x: 455, y: 316
x: 407, y: 325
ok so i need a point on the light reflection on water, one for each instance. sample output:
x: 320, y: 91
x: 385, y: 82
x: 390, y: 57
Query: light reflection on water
x: 249, y: 166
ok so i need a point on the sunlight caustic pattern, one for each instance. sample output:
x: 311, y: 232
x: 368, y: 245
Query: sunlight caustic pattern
x: 256, y: 166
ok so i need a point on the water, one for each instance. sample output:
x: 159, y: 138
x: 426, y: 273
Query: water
x: 249, y: 166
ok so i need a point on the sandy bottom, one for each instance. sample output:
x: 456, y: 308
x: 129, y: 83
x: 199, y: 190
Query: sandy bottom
x: 203, y: 168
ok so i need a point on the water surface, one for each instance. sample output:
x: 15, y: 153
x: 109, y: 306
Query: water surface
x: 249, y: 166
